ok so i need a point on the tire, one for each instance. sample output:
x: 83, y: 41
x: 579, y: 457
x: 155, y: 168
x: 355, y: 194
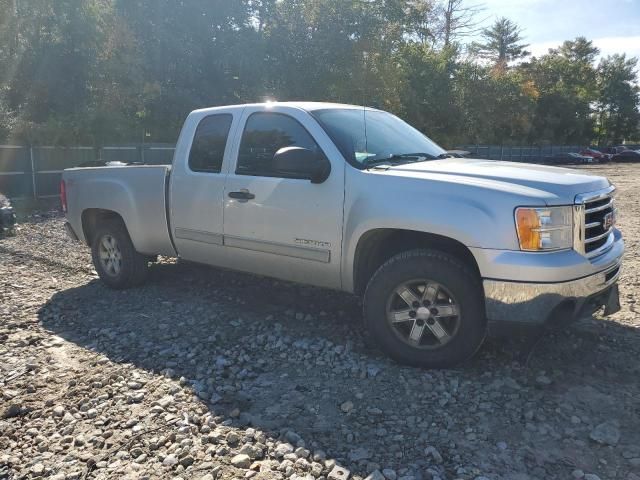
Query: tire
x: 419, y: 328
x: 126, y: 268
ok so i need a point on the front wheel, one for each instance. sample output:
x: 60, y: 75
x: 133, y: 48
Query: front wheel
x: 115, y: 258
x: 425, y: 308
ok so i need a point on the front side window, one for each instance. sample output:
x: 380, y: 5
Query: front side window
x: 209, y: 142
x: 367, y: 137
x: 265, y: 133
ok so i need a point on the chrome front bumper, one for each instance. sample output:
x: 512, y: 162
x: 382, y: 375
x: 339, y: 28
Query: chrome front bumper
x: 535, y: 303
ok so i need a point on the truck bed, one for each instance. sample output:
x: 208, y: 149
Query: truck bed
x: 138, y: 193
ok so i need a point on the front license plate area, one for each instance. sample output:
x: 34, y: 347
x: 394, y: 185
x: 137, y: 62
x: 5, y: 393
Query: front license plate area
x: 612, y: 304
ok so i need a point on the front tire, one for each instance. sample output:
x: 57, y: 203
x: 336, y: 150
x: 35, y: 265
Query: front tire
x: 425, y: 308
x: 116, y: 260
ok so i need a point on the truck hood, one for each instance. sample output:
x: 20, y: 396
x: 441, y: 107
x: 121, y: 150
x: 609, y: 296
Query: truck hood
x: 562, y: 183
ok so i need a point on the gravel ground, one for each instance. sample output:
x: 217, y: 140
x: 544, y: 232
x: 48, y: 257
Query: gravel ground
x: 205, y: 374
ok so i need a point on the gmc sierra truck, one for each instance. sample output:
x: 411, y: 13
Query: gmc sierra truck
x: 355, y: 199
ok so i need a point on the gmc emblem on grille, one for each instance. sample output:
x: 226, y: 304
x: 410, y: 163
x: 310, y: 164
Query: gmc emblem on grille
x: 608, y: 221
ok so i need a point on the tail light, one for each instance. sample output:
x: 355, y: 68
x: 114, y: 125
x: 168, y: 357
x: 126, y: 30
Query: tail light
x: 63, y: 196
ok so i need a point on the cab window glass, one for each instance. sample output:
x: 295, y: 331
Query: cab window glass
x: 265, y: 134
x: 209, y: 142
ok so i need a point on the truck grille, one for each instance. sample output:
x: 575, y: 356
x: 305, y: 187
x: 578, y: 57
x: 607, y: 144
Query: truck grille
x: 597, y: 212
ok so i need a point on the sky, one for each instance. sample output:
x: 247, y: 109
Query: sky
x: 612, y: 25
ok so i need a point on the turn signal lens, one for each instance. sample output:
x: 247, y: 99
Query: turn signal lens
x: 528, y: 225
x: 541, y: 229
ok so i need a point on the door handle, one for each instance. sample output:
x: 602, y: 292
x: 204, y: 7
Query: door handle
x: 242, y: 195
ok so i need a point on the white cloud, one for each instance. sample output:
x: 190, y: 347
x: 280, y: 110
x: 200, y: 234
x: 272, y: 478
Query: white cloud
x: 611, y: 45
x: 541, y: 48
x: 545, y: 21
x: 629, y: 45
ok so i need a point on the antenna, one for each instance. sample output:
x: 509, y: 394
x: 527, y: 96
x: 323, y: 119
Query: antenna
x: 364, y: 101
x: 364, y: 118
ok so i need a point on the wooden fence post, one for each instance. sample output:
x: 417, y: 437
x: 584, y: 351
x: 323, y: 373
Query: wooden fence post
x: 33, y: 172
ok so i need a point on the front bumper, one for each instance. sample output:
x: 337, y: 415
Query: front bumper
x: 540, y: 303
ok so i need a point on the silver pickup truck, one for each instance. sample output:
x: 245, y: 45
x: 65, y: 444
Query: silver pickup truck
x: 354, y: 199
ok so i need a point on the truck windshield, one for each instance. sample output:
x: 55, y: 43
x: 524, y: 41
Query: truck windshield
x: 370, y: 137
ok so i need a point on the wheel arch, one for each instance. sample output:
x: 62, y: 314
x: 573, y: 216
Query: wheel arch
x: 377, y: 246
x: 91, y: 218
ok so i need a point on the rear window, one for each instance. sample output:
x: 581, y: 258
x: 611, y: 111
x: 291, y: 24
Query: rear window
x: 209, y: 143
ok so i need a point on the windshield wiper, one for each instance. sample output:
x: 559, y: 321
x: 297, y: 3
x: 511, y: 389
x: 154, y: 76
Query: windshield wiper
x: 397, y: 158
x: 419, y: 157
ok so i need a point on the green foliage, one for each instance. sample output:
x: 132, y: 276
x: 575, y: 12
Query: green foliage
x: 566, y: 81
x: 7, y: 118
x: 618, y: 98
x: 99, y: 71
x: 501, y: 43
x: 428, y: 95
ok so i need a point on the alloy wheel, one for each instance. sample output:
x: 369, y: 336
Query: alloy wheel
x: 423, y: 314
x: 110, y: 255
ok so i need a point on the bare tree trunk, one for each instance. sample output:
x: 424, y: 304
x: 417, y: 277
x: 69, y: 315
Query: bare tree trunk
x: 459, y: 20
x: 447, y: 22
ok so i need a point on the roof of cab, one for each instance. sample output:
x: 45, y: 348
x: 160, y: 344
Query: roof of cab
x: 308, y: 106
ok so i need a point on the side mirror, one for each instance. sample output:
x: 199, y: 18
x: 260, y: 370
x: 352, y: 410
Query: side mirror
x: 298, y: 162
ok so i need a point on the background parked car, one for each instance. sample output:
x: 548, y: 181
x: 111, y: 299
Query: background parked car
x: 614, y: 150
x: 458, y: 153
x: 570, y: 158
x: 627, y: 156
x: 598, y: 155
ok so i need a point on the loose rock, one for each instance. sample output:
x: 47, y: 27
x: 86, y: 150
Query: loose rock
x: 241, y: 461
x: 606, y: 433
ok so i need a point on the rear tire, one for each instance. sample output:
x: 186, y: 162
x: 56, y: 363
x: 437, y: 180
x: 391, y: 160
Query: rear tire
x: 426, y: 308
x: 116, y: 260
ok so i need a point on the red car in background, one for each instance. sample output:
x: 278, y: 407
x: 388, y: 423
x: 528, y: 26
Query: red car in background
x: 596, y: 154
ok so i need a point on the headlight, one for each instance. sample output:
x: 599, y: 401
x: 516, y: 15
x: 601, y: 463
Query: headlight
x: 541, y: 229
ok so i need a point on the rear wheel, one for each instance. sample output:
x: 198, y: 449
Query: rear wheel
x: 117, y: 262
x: 425, y: 308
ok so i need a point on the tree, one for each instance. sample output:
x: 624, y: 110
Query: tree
x: 422, y: 21
x: 579, y: 50
x: 189, y: 54
x: 7, y: 119
x: 458, y: 20
x: 618, y: 99
x: 428, y: 96
x: 510, y: 112
x: 97, y: 71
x: 566, y: 81
x: 501, y: 43
x: 52, y: 51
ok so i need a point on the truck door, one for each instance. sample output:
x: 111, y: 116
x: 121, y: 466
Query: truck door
x: 197, y: 185
x: 287, y: 227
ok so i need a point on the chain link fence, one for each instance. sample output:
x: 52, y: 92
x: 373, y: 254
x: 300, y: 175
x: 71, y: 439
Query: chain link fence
x: 527, y: 154
x: 34, y: 172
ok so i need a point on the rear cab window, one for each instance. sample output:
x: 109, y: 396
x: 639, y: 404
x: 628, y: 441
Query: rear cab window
x: 209, y: 143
